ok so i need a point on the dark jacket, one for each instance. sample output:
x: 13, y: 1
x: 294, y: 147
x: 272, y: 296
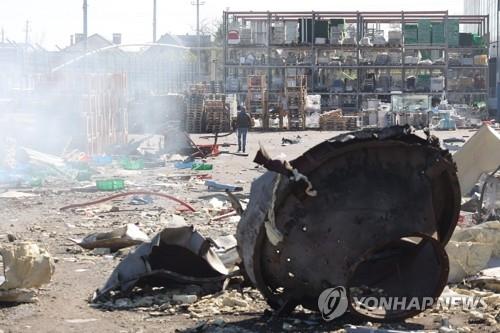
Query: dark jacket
x: 243, y: 120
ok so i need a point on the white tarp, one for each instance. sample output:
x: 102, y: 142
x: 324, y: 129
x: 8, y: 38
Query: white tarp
x: 478, y: 155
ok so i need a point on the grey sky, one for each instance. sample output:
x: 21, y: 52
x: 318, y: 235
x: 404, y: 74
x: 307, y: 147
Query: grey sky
x: 53, y: 21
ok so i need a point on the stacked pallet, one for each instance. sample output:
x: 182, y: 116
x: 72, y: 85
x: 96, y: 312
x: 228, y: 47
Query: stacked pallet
x: 257, y: 98
x: 336, y: 121
x: 194, y: 112
x: 216, y: 115
x: 295, y: 93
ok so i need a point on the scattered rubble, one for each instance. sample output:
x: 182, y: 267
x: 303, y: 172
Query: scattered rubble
x: 182, y: 274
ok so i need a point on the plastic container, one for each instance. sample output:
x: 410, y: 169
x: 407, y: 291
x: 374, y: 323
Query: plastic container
x: 424, y: 32
x: 183, y: 165
x: 438, y: 33
x: 132, y: 164
x: 477, y: 41
x: 36, y: 181
x: 481, y: 60
x: 410, y: 34
x: 101, y: 160
x: 202, y: 166
x: 453, y: 33
x: 110, y: 184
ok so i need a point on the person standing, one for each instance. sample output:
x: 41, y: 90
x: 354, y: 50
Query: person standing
x: 243, y: 123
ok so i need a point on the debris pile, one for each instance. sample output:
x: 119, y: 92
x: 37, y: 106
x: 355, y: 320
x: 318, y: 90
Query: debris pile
x: 177, y: 255
x: 373, y: 211
x: 228, y: 302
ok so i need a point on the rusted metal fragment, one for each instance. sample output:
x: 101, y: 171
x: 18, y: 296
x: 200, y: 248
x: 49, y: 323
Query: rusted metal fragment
x: 374, y: 187
x: 176, y: 255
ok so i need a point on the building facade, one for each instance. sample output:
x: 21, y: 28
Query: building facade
x: 484, y: 7
x: 488, y: 7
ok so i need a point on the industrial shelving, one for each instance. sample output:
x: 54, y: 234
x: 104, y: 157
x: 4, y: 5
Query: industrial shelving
x: 270, y: 60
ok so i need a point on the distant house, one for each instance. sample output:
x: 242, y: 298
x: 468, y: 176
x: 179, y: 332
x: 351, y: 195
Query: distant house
x: 169, y: 67
x: 152, y: 70
x: 20, y: 65
x: 103, y: 56
x: 191, y: 42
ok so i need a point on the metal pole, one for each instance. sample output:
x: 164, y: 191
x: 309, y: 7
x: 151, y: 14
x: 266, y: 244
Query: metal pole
x: 26, y: 37
x: 154, y: 21
x: 198, y: 3
x: 85, y: 31
x: 85, y: 19
x: 198, y: 37
x: 498, y: 63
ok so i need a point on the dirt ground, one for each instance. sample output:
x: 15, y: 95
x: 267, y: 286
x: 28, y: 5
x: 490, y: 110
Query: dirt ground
x: 63, y: 304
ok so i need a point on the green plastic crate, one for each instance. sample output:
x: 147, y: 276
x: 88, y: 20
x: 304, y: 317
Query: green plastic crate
x: 438, y: 33
x: 453, y: 33
x: 478, y: 41
x: 410, y: 34
x: 110, y: 184
x: 424, y: 31
x: 132, y: 164
x: 202, y: 166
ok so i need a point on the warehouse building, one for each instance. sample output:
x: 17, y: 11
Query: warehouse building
x: 487, y: 7
x: 276, y: 61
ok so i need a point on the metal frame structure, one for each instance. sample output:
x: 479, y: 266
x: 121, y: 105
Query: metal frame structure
x: 362, y: 21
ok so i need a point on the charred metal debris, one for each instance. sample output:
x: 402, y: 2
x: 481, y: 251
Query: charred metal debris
x: 370, y: 211
x: 178, y: 255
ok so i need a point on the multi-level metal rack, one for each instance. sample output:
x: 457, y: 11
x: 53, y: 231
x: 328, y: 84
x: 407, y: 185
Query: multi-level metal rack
x: 252, y: 47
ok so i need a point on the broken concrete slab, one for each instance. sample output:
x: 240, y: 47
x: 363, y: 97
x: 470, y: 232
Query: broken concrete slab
x: 487, y: 232
x: 129, y: 235
x: 477, y: 156
x: 25, y: 266
x: 176, y: 255
x: 466, y: 259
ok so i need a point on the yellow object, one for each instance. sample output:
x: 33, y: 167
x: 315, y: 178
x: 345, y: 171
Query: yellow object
x: 481, y: 60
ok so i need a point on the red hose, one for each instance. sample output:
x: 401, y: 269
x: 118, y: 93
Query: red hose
x: 90, y: 203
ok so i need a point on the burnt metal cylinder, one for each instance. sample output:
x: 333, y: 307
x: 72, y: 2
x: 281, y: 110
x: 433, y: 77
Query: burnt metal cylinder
x: 383, y: 205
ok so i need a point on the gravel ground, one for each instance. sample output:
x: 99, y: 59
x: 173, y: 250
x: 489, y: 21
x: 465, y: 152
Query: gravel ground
x: 63, y: 306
